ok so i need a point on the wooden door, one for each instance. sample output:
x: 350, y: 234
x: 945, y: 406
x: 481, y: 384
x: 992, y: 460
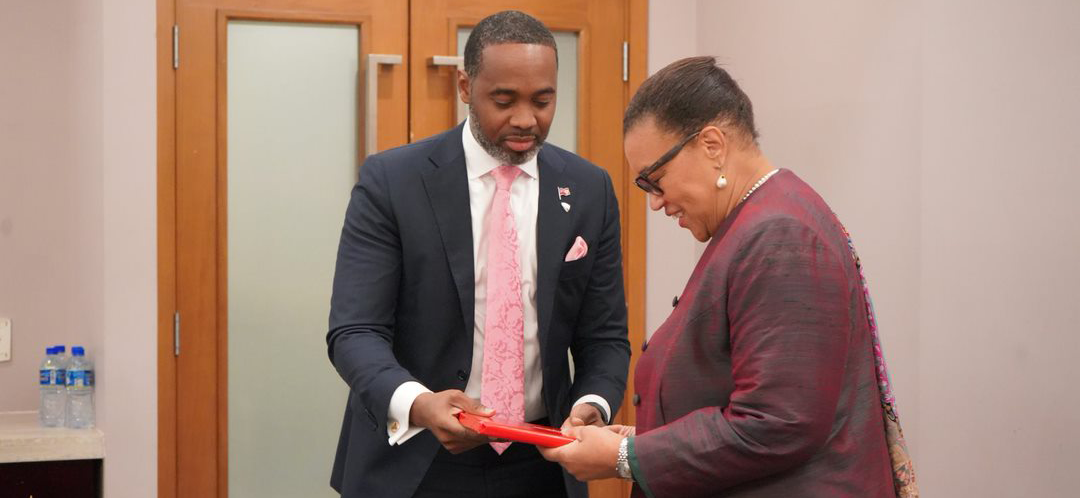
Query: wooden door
x: 201, y: 369
x: 414, y: 99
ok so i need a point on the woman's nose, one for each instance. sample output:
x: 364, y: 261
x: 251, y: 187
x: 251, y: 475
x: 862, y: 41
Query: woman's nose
x: 656, y: 202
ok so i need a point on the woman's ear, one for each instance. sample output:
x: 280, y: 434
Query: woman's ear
x: 715, y: 143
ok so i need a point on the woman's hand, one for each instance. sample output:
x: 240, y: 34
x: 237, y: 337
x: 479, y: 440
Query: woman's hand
x: 623, y: 430
x: 592, y: 456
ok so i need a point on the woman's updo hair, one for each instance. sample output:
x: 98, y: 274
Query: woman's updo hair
x: 690, y: 94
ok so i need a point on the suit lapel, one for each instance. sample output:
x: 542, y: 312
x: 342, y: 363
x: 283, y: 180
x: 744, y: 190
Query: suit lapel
x: 553, y: 226
x: 447, y: 185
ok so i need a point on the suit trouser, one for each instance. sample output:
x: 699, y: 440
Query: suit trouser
x: 482, y: 473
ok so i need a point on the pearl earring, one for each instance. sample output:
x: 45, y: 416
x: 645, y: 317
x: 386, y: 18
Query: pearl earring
x: 721, y: 182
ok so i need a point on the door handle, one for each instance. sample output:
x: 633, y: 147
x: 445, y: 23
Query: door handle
x: 371, y: 102
x: 458, y: 62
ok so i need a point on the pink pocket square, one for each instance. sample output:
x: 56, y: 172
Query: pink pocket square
x: 578, y: 251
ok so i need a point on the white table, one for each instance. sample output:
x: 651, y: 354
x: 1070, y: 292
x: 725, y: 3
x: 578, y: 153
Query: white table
x: 23, y: 439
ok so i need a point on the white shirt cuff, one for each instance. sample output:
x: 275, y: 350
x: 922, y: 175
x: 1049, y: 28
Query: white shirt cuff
x: 397, y: 418
x: 593, y: 398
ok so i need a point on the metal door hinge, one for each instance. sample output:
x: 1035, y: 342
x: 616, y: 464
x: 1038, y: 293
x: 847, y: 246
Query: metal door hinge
x: 626, y: 61
x: 176, y: 333
x: 176, y: 46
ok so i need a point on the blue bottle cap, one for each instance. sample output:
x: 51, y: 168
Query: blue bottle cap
x: 77, y: 351
x: 60, y: 348
x: 49, y: 351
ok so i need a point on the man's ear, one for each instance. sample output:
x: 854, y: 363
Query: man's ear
x: 464, y: 87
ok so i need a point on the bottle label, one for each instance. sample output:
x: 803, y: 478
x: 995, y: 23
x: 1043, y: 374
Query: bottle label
x: 80, y: 378
x: 52, y: 378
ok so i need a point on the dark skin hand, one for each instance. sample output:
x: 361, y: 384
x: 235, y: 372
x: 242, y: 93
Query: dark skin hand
x: 583, y: 414
x: 437, y: 412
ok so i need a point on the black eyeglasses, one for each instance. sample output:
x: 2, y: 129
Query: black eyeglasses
x: 647, y: 184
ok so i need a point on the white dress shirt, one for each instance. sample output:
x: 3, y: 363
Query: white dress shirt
x: 524, y: 198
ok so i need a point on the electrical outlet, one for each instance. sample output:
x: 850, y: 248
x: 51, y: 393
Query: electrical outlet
x: 5, y: 339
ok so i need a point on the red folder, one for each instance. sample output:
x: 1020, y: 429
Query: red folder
x: 514, y: 431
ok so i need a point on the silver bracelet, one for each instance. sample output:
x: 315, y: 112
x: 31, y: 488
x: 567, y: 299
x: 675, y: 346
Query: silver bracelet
x: 622, y: 462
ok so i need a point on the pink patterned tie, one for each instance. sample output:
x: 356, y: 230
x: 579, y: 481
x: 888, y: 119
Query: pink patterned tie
x: 503, y: 382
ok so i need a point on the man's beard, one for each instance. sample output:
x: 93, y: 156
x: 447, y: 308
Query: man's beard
x: 501, y: 154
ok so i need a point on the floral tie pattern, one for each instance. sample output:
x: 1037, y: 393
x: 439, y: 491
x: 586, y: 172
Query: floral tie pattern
x: 503, y: 378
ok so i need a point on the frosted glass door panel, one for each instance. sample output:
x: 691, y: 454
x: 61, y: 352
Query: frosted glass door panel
x: 565, y: 125
x: 292, y: 159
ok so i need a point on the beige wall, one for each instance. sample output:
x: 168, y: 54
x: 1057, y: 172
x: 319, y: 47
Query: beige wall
x: 129, y: 375
x: 999, y: 322
x: 51, y: 208
x: 670, y: 251
x: 943, y: 135
x: 77, y: 212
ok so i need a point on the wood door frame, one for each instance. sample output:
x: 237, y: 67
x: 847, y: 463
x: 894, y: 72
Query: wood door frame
x: 166, y: 250
x: 635, y: 210
x: 634, y: 215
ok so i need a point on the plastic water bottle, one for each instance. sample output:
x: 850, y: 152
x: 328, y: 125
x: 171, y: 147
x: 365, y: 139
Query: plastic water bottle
x: 62, y: 360
x: 61, y: 365
x: 80, y: 390
x: 53, y: 396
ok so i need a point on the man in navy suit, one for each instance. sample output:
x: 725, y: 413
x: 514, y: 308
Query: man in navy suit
x: 414, y: 330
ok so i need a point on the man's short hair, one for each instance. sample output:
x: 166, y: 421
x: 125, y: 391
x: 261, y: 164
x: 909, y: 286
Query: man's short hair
x: 508, y: 26
x: 690, y: 94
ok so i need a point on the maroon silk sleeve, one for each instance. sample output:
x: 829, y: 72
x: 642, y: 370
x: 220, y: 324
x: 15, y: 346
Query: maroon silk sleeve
x: 789, y: 318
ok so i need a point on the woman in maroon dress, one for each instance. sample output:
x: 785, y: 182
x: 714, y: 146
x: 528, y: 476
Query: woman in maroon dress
x: 767, y: 379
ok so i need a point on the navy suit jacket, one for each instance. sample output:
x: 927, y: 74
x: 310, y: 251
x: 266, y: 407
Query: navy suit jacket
x: 402, y: 306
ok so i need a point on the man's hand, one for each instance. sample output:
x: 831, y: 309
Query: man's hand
x: 583, y: 414
x: 436, y: 412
